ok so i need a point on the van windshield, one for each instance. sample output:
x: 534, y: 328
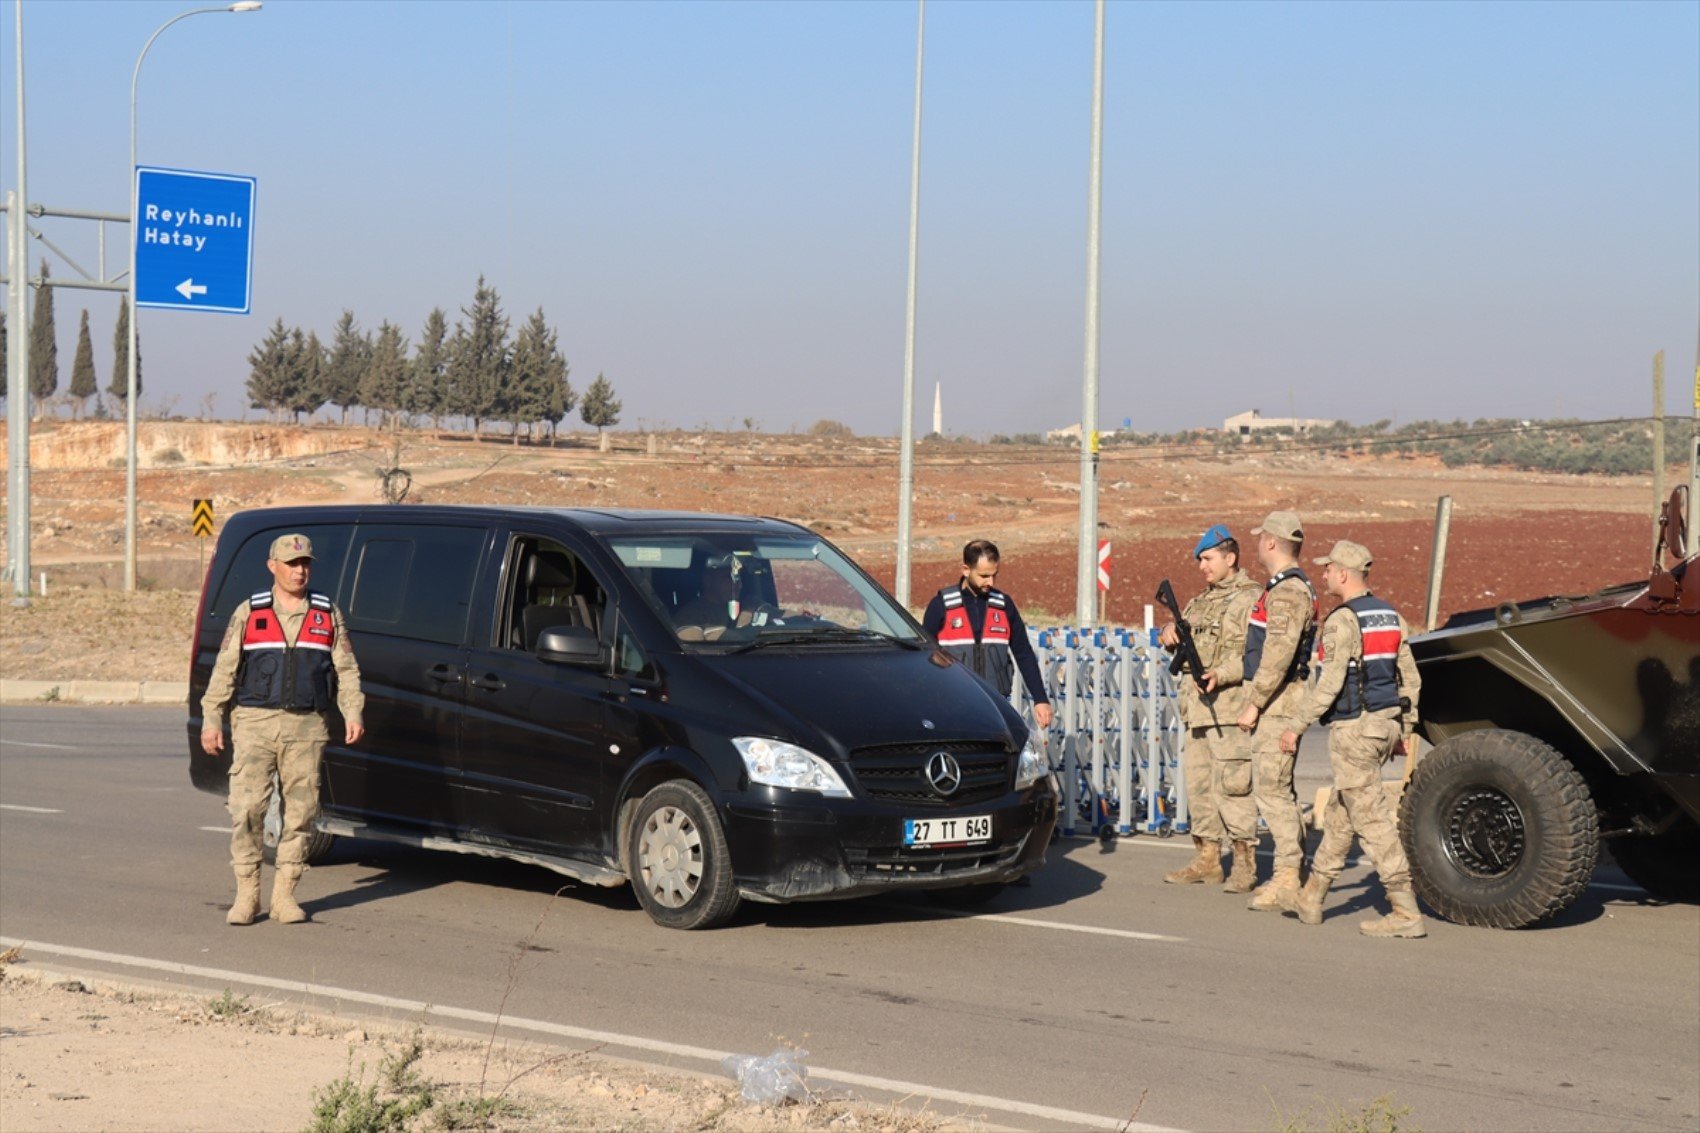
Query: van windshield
x: 724, y: 591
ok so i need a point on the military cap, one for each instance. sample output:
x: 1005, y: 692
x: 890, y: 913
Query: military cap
x: 1214, y: 536
x: 1282, y: 525
x: 288, y: 548
x: 1352, y: 556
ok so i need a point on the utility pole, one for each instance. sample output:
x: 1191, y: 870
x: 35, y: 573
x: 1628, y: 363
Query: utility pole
x: 1086, y: 581
x: 18, y: 359
x: 906, y: 443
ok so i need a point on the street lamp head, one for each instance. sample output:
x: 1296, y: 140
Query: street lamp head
x: 247, y: 6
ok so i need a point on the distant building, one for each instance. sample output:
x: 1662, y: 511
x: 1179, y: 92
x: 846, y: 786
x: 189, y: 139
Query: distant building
x: 1245, y: 424
x: 1071, y: 434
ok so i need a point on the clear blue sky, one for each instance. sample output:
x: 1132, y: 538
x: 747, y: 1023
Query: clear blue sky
x: 1361, y: 210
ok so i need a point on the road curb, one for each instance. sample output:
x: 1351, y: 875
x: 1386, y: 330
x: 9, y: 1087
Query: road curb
x: 93, y: 692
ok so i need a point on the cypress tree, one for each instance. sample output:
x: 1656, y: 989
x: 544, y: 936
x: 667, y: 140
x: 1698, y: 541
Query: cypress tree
x: 119, y: 386
x: 3, y: 353
x: 84, y: 384
x: 44, y: 345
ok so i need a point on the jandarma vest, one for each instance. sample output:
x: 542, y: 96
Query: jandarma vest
x: 276, y: 674
x: 989, y: 655
x: 1372, y: 680
x: 1257, y: 628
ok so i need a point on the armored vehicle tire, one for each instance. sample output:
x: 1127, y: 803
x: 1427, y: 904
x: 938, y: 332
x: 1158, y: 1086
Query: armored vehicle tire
x: 1662, y: 864
x: 1500, y: 830
x: 680, y: 867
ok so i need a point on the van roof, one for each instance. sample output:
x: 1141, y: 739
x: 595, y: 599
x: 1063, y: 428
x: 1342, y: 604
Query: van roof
x: 602, y: 521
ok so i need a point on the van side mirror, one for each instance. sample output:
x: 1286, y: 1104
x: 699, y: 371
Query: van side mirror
x: 570, y: 645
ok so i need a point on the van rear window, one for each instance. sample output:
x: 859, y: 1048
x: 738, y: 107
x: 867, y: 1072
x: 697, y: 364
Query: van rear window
x: 414, y: 581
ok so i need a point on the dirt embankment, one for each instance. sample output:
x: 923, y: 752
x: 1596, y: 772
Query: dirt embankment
x: 1514, y: 535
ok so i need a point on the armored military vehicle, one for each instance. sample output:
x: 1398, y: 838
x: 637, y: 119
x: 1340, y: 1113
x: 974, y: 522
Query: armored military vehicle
x: 1561, y: 725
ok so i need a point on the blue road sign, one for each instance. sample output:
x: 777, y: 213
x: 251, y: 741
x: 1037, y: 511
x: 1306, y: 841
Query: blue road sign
x: 194, y: 240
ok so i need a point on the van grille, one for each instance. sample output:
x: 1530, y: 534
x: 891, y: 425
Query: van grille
x: 898, y: 773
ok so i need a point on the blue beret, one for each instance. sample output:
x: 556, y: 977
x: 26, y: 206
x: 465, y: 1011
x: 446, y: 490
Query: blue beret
x: 1214, y: 536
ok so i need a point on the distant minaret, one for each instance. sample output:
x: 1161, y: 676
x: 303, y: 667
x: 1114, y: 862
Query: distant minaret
x: 938, y: 408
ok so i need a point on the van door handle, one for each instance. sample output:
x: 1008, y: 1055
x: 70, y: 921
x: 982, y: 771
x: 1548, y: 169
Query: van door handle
x: 488, y: 681
x: 445, y: 673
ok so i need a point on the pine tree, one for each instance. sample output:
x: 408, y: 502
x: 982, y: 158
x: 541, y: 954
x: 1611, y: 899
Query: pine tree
x: 308, y: 365
x: 44, y: 345
x: 119, y: 386
x: 350, y: 354
x: 84, y: 384
x: 541, y: 394
x: 426, y: 373
x: 599, y: 408
x: 479, y: 362
x: 385, y: 382
x: 268, y: 371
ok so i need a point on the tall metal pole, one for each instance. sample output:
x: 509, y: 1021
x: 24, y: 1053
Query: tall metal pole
x: 906, y: 446
x: 130, y: 381
x: 1694, y: 461
x: 18, y: 360
x: 1087, y: 577
x: 1658, y: 448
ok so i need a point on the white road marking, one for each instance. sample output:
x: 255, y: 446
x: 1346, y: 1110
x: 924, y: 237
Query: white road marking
x: 30, y: 809
x: 214, y: 829
x: 22, y: 743
x: 1033, y: 922
x: 583, y: 1034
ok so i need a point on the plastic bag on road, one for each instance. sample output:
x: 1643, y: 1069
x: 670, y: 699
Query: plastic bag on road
x: 770, y: 1080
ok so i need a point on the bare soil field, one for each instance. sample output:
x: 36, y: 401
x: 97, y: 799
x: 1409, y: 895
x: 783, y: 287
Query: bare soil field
x: 88, y: 1054
x: 1514, y: 535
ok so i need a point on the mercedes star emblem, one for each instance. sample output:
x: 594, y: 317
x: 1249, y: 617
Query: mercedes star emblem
x: 944, y: 773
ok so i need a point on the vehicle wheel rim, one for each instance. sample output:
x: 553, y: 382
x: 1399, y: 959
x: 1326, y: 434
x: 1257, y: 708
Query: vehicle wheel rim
x: 1485, y: 833
x: 670, y: 857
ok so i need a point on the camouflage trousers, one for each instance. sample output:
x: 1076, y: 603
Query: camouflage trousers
x: 270, y: 741
x: 1272, y: 789
x: 1356, y: 749
x: 1223, y: 806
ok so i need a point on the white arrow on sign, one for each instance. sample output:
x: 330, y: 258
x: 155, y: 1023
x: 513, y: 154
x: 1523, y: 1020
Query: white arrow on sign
x: 189, y: 289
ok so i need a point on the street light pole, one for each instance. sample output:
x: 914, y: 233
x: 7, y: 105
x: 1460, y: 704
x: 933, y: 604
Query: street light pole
x: 17, y: 362
x: 133, y: 364
x: 1086, y: 582
x: 906, y: 442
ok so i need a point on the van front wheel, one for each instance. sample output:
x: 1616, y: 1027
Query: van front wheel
x: 681, y: 869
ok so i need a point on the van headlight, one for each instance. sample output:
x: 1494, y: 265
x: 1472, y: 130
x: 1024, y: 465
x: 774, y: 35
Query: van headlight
x: 1033, y: 766
x: 779, y: 764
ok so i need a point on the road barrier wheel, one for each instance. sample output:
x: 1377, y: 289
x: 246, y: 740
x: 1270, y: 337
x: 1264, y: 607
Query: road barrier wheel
x: 1500, y: 829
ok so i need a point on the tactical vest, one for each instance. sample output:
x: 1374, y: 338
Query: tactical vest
x: 275, y: 674
x: 988, y: 655
x: 1372, y: 679
x: 1257, y: 628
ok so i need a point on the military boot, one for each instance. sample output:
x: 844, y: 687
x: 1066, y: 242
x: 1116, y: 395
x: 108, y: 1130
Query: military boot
x: 247, y: 905
x: 1205, y: 867
x: 1268, y: 895
x: 1406, y: 920
x: 284, y: 908
x: 1242, y: 878
x: 1307, y: 902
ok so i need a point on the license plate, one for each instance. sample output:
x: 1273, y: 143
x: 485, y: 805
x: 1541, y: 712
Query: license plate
x: 925, y: 833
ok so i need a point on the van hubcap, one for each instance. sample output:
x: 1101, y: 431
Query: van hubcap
x: 1485, y: 834
x: 670, y: 857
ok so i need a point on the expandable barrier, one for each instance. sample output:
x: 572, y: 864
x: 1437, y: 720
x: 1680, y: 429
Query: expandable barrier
x: 1116, y: 737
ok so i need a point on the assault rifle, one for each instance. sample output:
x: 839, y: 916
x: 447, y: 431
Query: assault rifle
x: 1187, y: 652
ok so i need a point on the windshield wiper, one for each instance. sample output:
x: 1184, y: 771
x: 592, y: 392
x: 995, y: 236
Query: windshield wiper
x: 834, y: 634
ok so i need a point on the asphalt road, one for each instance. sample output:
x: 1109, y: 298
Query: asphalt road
x: 1094, y: 988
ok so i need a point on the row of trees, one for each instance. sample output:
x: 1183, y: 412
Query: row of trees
x: 44, y: 356
x: 474, y: 373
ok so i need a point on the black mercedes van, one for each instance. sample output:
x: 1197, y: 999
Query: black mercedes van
x: 711, y: 708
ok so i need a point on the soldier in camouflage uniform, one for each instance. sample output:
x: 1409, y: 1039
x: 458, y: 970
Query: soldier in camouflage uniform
x: 1366, y: 692
x: 286, y: 658
x: 1273, y: 667
x: 1217, y: 617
